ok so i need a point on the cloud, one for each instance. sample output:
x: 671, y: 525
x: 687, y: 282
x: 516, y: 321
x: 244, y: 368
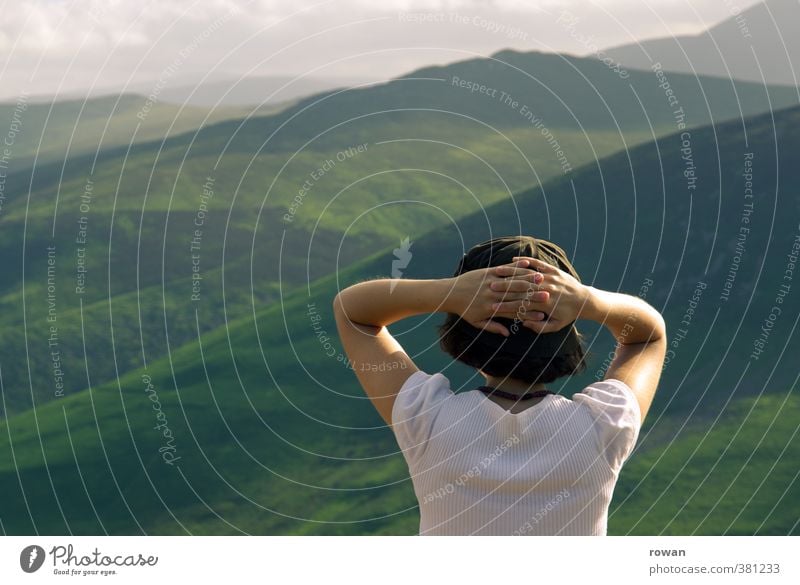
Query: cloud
x: 54, y: 45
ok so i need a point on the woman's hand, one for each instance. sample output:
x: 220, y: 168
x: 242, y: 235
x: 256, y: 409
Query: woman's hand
x: 566, y: 297
x: 498, y: 291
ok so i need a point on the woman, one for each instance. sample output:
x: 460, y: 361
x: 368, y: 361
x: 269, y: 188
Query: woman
x: 510, y: 457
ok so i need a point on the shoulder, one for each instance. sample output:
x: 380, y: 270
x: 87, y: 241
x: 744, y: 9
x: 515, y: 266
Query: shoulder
x: 420, y: 391
x: 416, y: 407
x: 609, y: 396
x: 614, y: 411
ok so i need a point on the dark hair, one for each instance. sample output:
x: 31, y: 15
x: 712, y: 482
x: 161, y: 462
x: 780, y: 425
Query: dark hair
x: 532, y: 369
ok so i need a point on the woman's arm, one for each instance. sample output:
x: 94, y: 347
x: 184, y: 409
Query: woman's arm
x: 641, y: 336
x: 362, y: 312
x: 638, y: 327
x: 629, y: 319
x: 384, y: 301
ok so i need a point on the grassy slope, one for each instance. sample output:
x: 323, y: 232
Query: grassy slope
x: 49, y: 132
x: 737, y: 477
x: 472, y: 165
x: 228, y: 437
x: 269, y: 426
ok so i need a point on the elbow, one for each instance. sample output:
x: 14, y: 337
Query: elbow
x: 339, y: 314
x: 342, y: 308
x: 337, y: 304
x: 660, y: 329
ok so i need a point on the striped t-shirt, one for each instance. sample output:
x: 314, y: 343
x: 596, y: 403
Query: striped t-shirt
x: 478, y: 469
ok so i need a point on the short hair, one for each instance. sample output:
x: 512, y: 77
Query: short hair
x: 531, y: 369
x: 559, y: 354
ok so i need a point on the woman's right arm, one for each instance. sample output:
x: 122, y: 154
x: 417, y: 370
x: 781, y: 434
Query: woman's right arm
x: 630, y: 319
x: 641, y: 337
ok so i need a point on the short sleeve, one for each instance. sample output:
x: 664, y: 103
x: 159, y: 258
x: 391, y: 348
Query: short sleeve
x: 415, y: 409
x: 616, y: 414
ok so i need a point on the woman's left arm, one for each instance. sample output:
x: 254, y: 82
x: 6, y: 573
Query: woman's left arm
x: 364, y: 310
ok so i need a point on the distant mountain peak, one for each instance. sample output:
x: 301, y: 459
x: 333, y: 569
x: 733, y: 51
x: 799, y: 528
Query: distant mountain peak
x: 759, y: 44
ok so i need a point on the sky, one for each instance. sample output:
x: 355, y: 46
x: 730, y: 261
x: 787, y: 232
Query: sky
x: 57, y: 47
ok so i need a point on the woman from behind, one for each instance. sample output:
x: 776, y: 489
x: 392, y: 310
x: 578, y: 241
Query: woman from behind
x: 511, y: 456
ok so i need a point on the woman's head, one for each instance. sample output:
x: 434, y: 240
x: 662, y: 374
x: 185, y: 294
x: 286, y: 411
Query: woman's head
x: 524, y: 355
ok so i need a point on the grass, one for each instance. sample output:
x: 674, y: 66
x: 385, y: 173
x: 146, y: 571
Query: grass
x: 735, y: 478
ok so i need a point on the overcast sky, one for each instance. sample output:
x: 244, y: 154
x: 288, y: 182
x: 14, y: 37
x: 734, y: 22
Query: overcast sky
x: 63, y: 46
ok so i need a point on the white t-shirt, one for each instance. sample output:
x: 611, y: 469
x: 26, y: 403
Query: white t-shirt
x: 478, y: 469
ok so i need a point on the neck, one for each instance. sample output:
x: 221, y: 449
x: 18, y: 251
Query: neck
x: 514, y: 386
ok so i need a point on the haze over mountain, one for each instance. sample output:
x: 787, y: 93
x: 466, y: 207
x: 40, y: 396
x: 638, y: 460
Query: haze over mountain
x: 760, y: 44
x: 346, y: 38
x: 256, y: 90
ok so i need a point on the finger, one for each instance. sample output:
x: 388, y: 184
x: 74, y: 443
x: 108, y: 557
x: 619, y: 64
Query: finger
x: 543, y: 326
x: 522, y: 315
x: 538, y: 264
x: 520, y: 263
x: 533, y: 296
x: 513, y: 269
x: 533, y: 281
x: 537, y: 301
x: 510, y: 315
x: 535, y: 316
x: 493, y: 327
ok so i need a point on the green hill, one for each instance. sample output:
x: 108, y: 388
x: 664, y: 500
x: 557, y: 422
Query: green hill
x: 274, y: 435
x: 50, y: 132
x: 736, y: 477
x: 433, y: 152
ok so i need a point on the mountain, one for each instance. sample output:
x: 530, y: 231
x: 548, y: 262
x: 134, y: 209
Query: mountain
x: 183, y: 77
x: 274, y: 436
x: 206, y: 89
x: 760, y: 44
x: 353, y: 171
x: 49, y: 132
x: 255, y: 90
